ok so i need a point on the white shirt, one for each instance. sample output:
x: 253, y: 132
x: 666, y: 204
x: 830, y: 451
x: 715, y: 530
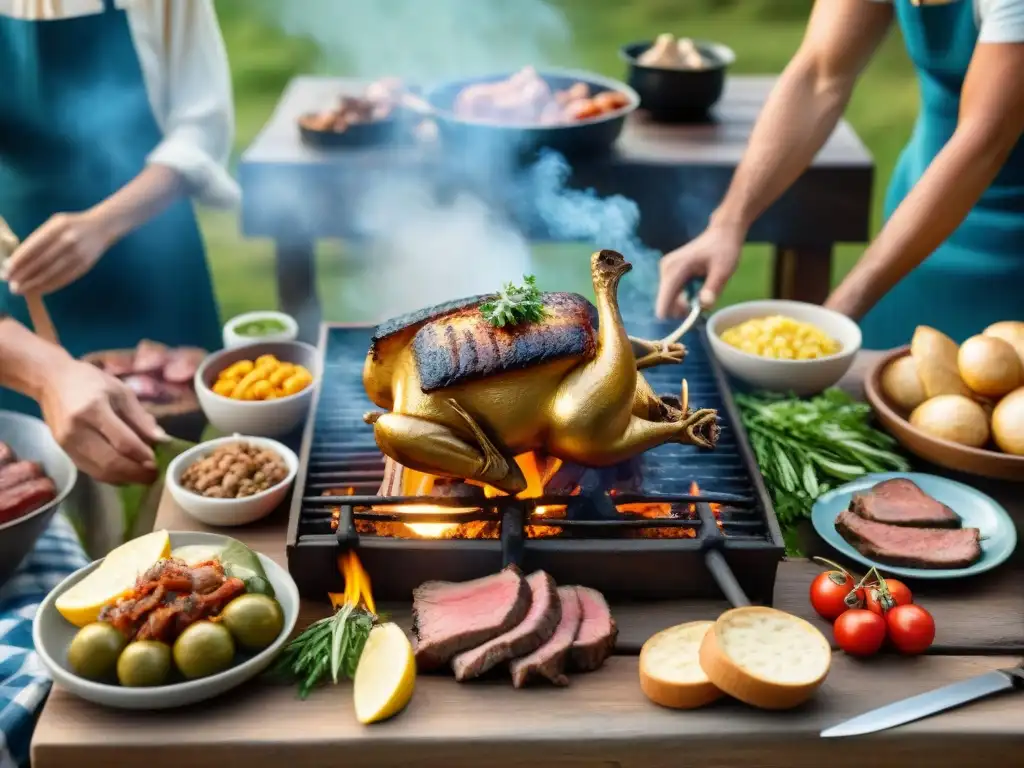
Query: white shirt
x: 999, y: 21
x: 185, y: 69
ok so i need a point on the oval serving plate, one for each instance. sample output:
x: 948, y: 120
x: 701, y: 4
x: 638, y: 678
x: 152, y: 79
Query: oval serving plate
x: 52, y: 635
x: 976, y: 509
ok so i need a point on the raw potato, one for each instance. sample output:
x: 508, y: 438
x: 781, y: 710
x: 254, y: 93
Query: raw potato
x: 936, y: 357
x: 1011, y: 331
x: 901, y: 385
x: 765, y: 657
x: 989, y: 366
x: 1008, y: 423
x: 670, y: 671
x: 955, y: 418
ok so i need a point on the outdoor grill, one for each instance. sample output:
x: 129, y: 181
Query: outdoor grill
x: 653, y: 528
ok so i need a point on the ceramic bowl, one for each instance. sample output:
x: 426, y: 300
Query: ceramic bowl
x: 801, y: 377
x: 679, y: 95
x: 52, y: 635
x: 230, y: 512
x: 232, y: 338
x: 265, y: 418
x: 959, y: 458
x: 31, y: 440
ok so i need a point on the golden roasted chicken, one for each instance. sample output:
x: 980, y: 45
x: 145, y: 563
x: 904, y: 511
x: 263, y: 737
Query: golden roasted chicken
x: 463, y: 397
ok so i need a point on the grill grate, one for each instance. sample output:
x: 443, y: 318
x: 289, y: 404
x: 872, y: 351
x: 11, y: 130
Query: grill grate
x: 339, y: 452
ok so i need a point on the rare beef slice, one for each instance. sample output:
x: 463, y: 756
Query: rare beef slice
x: 908, y: 546
x: 901, y: 502
x: 595, y: 639
x: 450, y: 617
x: 548, y: 661
x: 533, y: 631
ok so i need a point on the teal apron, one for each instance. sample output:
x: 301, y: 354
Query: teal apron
x: 76, y: 126
x: 977, y: 276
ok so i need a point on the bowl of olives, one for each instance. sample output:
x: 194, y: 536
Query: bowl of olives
x: 95, y: 640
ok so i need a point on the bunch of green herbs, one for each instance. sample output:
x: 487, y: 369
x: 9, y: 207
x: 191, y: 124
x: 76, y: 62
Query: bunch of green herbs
x: 806, y: 447
x: 328, y: 649
x: 515, y: 304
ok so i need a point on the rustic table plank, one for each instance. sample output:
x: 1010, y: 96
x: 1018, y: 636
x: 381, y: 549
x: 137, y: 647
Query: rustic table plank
x: 601, y: 719
x: 675, y: 173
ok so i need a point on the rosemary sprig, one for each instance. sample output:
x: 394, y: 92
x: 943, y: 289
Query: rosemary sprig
x: 515, y: 304
x: 327, y: 649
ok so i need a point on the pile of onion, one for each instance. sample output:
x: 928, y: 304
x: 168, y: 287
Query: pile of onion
x: 970, y: 394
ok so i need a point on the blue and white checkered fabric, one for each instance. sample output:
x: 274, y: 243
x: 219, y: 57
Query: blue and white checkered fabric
x: 24, y: 682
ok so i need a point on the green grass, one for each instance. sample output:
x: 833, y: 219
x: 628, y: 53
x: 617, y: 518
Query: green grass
x: 764, y: 34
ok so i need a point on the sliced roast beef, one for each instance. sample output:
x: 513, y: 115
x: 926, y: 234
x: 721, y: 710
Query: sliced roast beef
x: 150, y: 358
x: 910, y: 547
x: 548, y: 661
x: 182, y: 364
x: 25, y: 498
x: 451, y: 617
x: 19, y: 472
x: 901, y: 502
x: 117, y: 363
x: 533, y: 631
x: 595, y: 639
x: 6, y: 454
x: 149, y: 389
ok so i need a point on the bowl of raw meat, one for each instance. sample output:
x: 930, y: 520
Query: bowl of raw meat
x: 678, y: 79
x: 161, y: 377
x: 518, y: 114
x: 36, y: 476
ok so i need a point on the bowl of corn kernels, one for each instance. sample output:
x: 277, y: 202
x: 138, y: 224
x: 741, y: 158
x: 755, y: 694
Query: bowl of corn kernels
x: 262, y: 389
x: 784, y: 346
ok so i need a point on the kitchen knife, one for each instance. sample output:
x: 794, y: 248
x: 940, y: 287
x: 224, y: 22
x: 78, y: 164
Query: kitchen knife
x: 930, y: 703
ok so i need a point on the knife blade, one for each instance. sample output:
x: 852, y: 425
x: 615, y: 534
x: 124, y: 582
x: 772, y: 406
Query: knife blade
x: 930, y: 703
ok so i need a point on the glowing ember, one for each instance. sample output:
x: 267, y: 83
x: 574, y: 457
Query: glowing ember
x: 716, y: 509
x: 357, y: 584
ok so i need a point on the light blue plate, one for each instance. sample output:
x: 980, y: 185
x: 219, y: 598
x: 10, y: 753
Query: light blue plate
x: 977, y: 510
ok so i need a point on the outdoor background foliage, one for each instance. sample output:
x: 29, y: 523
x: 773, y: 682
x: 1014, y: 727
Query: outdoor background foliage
x: 764, y: 34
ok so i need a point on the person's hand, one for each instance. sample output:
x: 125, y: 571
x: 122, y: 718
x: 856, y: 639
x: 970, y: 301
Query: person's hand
x: 62, y: 250
x: 713, y: 255
x: 100, y: 423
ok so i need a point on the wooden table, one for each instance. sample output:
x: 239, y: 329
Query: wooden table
x: 295, y: 194
x: 601, y: 719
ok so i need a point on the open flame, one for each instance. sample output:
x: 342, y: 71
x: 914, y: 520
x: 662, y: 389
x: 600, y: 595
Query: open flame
x: 357, y: 584
x: 421, y: 484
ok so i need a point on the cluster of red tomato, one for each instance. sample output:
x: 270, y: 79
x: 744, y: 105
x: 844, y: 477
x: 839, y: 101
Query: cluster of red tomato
x: 866, y: 612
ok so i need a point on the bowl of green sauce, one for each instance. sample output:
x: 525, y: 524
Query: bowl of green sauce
x: 253, y: 327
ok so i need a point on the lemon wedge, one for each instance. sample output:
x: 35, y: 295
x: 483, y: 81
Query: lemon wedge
x: 115, y: 576
x: 386, y: 674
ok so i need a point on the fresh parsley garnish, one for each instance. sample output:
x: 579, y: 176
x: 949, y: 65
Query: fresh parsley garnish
x: 515, y: 304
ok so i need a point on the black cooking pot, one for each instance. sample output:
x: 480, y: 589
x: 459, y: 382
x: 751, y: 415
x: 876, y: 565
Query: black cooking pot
x: 679, y: 95
x: 490, y: 141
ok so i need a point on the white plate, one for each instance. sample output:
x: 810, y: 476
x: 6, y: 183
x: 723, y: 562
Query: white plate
x: 52, y: 635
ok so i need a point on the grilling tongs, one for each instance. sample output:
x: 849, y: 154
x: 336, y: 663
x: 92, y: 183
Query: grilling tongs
x: 36, y: 307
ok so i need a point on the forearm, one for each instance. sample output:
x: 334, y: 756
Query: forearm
x: 138, y: 201
x: 25, y: 359
x: 935, y: 207
x: 797, y: 120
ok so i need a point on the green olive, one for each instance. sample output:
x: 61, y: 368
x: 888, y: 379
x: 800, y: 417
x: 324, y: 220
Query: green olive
x: 255, y: 621
x: 94, y: 651
x: 204, y: 649
x: 144, y: 663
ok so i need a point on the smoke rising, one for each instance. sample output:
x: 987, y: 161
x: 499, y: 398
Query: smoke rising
x: 426, y: 248
x: 425, y: 40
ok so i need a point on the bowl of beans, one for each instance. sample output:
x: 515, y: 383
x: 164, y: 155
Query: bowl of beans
x: 232, y: 481
x: 784, y: 346
x: 261, y: 389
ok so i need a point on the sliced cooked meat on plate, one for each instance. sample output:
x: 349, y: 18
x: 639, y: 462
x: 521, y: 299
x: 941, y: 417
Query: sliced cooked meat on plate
x: 931, y: 548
